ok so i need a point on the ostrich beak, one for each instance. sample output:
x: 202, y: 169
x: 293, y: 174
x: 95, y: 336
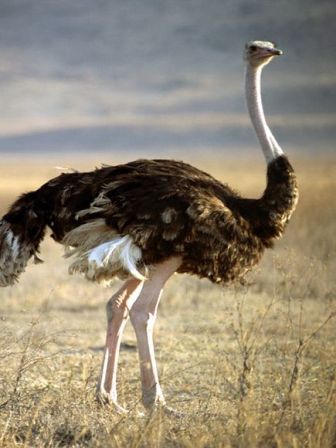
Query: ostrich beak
x: 276, y: 52
x: 267, y: 53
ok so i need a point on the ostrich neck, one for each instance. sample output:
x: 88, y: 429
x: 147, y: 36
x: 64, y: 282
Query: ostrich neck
x: 269, y: 145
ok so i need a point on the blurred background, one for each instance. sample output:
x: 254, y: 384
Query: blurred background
x: 160, y: 78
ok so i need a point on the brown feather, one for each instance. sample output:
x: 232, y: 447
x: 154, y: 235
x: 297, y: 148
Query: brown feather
x: 168, y: 208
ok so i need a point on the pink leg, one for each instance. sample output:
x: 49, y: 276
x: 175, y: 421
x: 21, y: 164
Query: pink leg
x: 143, y: 315
x: 117, y: 315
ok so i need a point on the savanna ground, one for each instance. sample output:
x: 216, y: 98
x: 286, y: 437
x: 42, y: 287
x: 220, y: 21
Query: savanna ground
x: 248, y: 366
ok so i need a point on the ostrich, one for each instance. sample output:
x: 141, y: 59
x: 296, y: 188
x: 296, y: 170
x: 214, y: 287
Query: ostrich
x: 147, y: 219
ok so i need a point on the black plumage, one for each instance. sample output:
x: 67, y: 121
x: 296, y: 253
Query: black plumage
x: 168, y: 208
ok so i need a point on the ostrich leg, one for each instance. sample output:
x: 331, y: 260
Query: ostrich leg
x: 143, y: 315
x: 117, y: 310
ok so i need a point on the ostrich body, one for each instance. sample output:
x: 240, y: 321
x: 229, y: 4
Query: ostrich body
x: 145, y: 220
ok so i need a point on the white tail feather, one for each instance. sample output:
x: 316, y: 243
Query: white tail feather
x: 100, y: 253
x: 120, y: 252
x: 130, y: 255
x: 14, y: 255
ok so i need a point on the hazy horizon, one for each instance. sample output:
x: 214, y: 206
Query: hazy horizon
x: 159, y: 77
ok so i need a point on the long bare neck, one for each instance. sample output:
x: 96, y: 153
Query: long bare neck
x: 269, y: 145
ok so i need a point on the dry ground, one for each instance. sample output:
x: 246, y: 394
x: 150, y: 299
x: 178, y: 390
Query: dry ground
x: 248, y: 365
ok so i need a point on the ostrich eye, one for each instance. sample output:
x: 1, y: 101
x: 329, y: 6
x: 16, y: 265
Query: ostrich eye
x: 253, y: 48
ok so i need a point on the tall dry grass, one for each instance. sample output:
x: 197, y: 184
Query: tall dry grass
x: 249, y: 366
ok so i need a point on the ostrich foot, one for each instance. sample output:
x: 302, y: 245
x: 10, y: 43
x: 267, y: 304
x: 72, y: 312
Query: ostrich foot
x: 171, y: 412
x: 153, y: 401
x: 105, y: 400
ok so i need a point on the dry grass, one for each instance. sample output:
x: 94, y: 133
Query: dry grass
x: 250, y: 366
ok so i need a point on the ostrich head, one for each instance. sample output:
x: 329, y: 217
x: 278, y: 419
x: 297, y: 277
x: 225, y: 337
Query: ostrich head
x: 259, y: 53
